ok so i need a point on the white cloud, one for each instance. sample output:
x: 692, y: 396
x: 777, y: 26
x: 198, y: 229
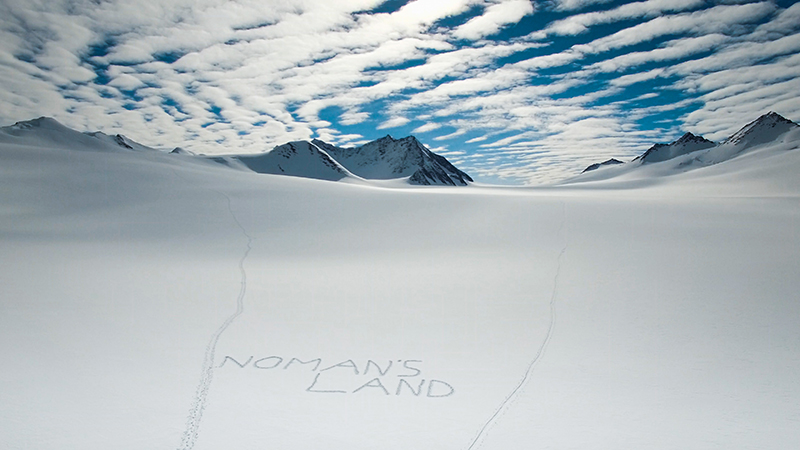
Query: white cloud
x: 430, y: 126
x: 786, y: 22
x: 718, y: 19
x: 394, y: 122
x: 581, y: 23
x: 455, y: 134
x: 572, y: 5
x: 741, y: 54
x: 494, y: 18
x: 627, y: 80
x: 353, y: 117
x: 677, y: 49
x: 424, y: 12
x: 451, y: 153
x: 126, y: 82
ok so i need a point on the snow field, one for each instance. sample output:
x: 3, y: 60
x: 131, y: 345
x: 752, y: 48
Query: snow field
x: 675, y: 301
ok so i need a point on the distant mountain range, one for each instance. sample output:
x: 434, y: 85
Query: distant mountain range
x: 383, y: 159
x: 48, y: 132
x: 692, y: 151
x: 407, y: 160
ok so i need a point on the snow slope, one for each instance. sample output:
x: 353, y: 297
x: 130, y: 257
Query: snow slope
x: 152, y: 300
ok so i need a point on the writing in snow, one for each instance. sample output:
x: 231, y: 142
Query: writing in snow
x: 400, y: 377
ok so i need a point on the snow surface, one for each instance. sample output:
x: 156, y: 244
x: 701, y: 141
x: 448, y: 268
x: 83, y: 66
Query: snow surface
x: 655, y: 312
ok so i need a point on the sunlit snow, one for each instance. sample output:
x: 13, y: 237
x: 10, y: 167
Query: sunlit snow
x: 157, y: 300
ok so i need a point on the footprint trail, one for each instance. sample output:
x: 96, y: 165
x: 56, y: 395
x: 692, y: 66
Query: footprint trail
x: 540, y: 352
x: 198, y: 405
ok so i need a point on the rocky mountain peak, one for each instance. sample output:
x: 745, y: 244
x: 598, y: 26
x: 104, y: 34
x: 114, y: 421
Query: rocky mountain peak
x: 389, y: 158
x: 687, y: 143
x: 689, y: 137
x: 764, y: 129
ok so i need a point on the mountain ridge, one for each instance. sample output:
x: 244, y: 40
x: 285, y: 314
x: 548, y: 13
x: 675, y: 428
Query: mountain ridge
x: 383, y: 159
x: 691, y: 151
x: 297, y: 158
x: 762, y: 126
x: 407, y: 159
x: 687, y: 143
x: 47, y: 130
x: 388, y: 158
x: 608, y: 162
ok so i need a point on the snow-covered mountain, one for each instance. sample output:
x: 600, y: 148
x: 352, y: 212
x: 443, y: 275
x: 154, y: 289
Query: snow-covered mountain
x: 769, y: 133
x: 389, y: 158
x: 608, y: 162
x: 383, y: 159
x: 181, y: 151
x: 298, y: 159
x: 762, y: 130
x: 120, y: 141
x: 46, y: 131
x: 688, y: 143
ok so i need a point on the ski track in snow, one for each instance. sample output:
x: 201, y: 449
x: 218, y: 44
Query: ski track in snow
x: 477, y: 441
x: 199, y: 404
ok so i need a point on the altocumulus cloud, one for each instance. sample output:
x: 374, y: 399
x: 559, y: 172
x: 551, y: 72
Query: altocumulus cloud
x: 514, y: 91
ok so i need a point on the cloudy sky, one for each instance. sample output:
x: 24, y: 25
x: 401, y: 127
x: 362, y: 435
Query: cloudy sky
x: 511, y: 91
